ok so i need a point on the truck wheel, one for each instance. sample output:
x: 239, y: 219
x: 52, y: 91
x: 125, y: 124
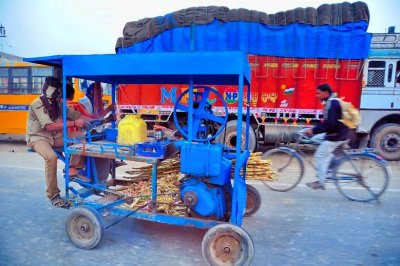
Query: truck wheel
x: 230, y: 136
x: 386, y: 139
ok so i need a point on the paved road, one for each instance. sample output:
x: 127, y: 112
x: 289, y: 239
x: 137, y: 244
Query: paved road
x: 301, y: 227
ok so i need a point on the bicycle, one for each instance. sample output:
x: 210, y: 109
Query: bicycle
x: 359, y: 175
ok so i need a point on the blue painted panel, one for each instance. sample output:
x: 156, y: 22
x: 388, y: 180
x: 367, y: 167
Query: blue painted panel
x: 384, y: 53
x: 207, y: 162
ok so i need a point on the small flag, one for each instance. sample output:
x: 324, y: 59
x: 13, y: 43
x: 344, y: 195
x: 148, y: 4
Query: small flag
x: 284, y: 103
x: 288, y: 91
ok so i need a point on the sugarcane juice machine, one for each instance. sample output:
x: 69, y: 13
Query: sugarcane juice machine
x: 206, y: 187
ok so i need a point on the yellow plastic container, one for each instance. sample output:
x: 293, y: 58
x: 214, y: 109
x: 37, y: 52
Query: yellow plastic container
x: 132, y: 129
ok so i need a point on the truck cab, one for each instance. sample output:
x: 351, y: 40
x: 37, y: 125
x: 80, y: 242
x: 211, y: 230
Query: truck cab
x: 380, y: 96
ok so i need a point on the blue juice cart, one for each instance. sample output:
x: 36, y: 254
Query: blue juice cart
x: 209, y: 189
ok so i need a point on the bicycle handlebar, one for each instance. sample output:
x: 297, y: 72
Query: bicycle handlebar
x: 302, y: 138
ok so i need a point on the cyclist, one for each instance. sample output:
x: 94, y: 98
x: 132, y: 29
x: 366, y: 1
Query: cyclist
x: 331, y: 132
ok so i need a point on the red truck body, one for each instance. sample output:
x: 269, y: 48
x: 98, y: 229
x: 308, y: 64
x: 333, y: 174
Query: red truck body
x: 282, y: 91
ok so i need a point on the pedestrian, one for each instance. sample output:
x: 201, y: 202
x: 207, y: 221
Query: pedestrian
x: 331, y: 131
x: 44, y: 132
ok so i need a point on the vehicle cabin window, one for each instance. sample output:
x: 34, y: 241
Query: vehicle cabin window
x: 39, y: 75
x: 390, y: 72
x: 3, y: 80
x: 376, y: 74
x: 19, y: 80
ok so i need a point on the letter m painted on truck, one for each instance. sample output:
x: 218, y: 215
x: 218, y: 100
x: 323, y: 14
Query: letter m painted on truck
x: 165, y: 94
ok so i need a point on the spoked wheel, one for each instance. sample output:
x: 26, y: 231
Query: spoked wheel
x: 288, y: 167
x: 227, y: 244
x: 253, y: 201
x: 361, y: 177
x: 202, y: 113
x: 85, y: 227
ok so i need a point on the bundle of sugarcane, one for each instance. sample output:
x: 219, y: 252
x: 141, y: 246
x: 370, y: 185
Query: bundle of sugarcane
x: 168, y: 173
x: 168, y: 195
x: 257, y: 168
x: 166, y: 167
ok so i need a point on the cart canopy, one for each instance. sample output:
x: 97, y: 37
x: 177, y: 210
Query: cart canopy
x: 217, y: 68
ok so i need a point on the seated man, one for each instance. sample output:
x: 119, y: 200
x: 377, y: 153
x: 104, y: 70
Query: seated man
x: 44, y: 131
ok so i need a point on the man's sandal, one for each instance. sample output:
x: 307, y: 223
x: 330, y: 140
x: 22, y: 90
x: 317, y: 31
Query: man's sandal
x: 59, y: 202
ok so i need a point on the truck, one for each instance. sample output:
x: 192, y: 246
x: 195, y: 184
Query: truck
x: 290, y: 53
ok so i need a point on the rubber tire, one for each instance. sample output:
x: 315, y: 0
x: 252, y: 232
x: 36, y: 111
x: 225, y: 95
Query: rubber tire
x: 377, y: 137
x: 247, y: 245
x: 95, y: 223
x: 358, y: 158
x: 230, y: 132
x: 256, y: 199
x: 290, y: 154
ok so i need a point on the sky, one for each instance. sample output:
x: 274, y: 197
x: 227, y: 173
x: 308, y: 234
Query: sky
x: 54, y: 27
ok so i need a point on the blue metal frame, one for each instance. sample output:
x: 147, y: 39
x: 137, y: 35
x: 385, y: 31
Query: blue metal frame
x: 216, y: 68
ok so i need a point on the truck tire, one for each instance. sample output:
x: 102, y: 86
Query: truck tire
x: 386, y: 139
x: 229, y: 134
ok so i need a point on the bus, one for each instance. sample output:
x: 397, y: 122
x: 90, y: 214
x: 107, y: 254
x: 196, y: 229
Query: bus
x: 20, y: 83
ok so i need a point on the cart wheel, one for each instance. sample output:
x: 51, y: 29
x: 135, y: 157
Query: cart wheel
x: 253, y: 201
x: 227, y: 244
x: 85, y: 227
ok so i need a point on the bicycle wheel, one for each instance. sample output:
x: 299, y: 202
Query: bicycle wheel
x: 361, y: 177
x: 288, y: 166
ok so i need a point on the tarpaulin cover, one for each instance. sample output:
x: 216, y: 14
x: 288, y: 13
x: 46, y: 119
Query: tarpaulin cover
x: 330, y: 31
